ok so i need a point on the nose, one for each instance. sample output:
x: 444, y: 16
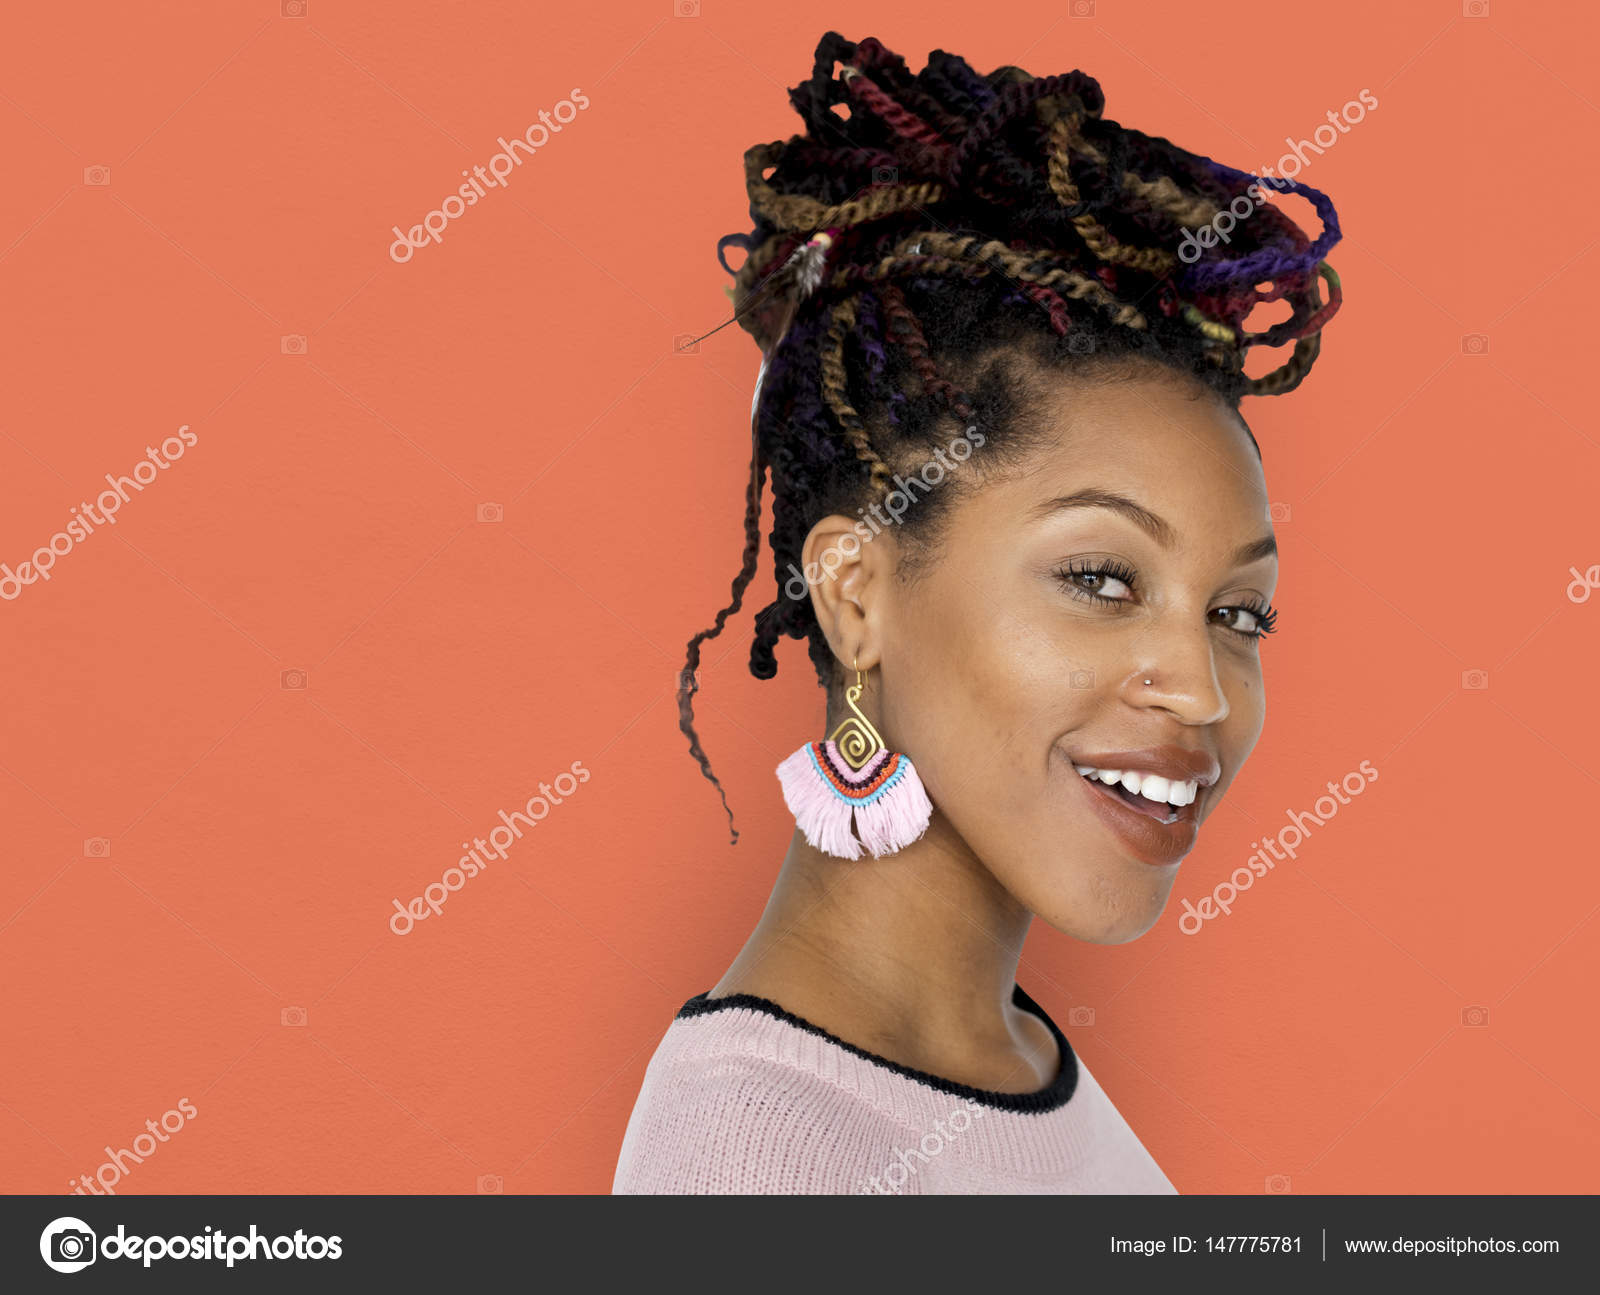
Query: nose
x: 1181, y: 666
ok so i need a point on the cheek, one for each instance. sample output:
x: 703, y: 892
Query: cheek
x: 979, y: 699
x: 1247, y: 714
x: 961, y: 685
x: 1248, y: 703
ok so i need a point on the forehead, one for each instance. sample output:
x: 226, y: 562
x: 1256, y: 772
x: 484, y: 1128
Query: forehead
x: 1172, y: 446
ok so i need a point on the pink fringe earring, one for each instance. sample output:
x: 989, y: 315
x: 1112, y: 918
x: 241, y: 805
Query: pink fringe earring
x: 854, y: 778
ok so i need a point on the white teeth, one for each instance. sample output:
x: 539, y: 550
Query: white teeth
x: 1155, y: 788
x: 1166, y: 791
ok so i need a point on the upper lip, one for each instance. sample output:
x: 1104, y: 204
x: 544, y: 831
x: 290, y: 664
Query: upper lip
x: 1174, y: 763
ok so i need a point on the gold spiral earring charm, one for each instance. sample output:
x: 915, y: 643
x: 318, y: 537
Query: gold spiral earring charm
x: 855, y: 737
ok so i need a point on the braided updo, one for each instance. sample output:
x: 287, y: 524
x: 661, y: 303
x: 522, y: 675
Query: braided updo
x: 928, y: 227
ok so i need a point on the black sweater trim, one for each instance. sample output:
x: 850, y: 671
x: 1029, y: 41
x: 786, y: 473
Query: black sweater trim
x: 1051, y: 1098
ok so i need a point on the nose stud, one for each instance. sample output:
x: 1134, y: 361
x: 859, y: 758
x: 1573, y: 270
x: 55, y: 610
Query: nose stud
x: 1147, y: 681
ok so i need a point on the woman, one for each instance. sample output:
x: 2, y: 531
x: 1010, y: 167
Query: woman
x: 1023, y: 530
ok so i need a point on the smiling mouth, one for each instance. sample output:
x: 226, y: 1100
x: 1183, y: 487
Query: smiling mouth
x: 1162, y: 799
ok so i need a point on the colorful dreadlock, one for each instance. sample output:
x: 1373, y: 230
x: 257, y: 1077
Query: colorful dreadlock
x: 924, y: 221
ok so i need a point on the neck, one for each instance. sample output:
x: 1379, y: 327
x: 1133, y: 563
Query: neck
x: 918, y: 949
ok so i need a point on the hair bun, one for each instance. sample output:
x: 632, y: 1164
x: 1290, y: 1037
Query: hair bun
x: 1017, y: 175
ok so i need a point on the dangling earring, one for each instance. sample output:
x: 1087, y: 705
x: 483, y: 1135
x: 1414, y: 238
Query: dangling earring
x: 854, y: 777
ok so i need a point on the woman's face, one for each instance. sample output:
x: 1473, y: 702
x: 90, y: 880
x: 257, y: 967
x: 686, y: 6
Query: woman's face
x: 1133, y: 543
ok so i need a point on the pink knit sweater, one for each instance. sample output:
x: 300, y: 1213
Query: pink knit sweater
x: 744, y: 1097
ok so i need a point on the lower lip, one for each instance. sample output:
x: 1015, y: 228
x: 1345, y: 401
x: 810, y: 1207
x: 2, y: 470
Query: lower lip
x: 1149, y: 840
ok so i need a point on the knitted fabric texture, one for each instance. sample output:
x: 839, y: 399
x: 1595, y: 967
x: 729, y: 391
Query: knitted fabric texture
x: 742, y: 1097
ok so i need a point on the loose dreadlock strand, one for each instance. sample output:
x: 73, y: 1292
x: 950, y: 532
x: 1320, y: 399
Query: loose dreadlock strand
x: 927, y: 226
x: 812, y: 98
x: 1023, y: 267
x: 950, y: 79
x: 795, y: 213
x: 688, y: 681
x: 1054, y: 306
x: 904, y: 123
x: 1011, y: 101
x: 915, y: 344
x: 1150, y: 259
x: 840, y: 323
x: 1162, y: 195
x: 1287, y: 376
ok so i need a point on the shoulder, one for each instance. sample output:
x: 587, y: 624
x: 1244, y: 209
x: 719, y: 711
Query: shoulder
x: 719, y: 1113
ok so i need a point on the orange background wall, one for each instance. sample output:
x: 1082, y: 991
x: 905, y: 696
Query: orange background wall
x: 326, y: 521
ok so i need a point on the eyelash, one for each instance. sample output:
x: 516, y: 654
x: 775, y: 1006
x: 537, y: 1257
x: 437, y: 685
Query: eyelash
x: 1266, y: 617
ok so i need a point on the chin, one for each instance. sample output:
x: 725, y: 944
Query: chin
x: 1109, y: 906
x: 1120, y: 928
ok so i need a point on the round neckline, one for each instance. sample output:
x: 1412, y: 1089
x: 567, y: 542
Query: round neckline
x: 1050, y: 1098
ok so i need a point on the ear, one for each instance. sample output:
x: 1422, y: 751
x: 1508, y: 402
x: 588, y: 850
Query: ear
x: 848, y: 569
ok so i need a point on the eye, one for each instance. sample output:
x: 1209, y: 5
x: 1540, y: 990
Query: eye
x: 1250, y: 621
x: 1098, y: 580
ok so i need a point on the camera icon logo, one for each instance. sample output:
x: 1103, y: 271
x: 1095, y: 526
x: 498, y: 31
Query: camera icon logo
x: 1082, y: 1017
x: 97, y: 175
x: 1474, y: 1016
x: 491, y: 513
x: 686, y: 8
x: 293, y: 343
x: 1474, y: 344
x: 294, y: 8
x: 490, y: 1185
x: 1278, y: 1184
x: 687, y: 681
x: 885, y: 175
x: 67, y: 1245
x: 292, y: 1016
x: 1278, y: 512
x: 97, y: 847
x: 293, y: 679
x: 1475, y: 680
x: 1082, y: 8
x: 1080, y: 343
x: 1081, y: 679
x: 685, y: 344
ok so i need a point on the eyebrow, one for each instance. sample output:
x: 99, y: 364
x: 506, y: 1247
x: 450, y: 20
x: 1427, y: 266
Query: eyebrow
x: 1153, y: 525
